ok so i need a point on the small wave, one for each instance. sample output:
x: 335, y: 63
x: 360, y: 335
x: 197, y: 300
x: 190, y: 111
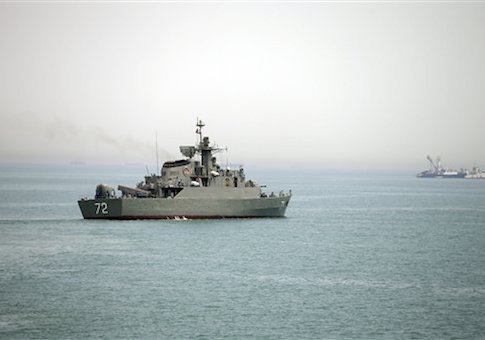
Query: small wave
x: 40, y: 219
x: 35, y: 204
x: 331, y: 282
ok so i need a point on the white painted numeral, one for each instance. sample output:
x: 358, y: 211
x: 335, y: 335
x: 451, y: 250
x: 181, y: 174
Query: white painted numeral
x: 101, y: 207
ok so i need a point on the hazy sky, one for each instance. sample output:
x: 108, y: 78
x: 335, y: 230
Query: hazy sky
x: 325, y: 85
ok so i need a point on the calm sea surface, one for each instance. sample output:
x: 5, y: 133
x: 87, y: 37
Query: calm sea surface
x: 358, y: 256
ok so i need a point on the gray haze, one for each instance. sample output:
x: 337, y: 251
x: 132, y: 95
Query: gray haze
x: 326, y: 85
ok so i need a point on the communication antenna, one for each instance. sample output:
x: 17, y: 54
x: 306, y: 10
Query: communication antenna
x: 156, y: 148
x: 199, y: 125
x: 227, y: 157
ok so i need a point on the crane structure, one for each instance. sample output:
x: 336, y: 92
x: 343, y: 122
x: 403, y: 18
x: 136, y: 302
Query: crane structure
x: 435, y: 167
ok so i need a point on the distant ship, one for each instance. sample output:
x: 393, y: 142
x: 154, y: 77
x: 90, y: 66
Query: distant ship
x: 437, y: 171
x: 476, y: 173
x: 186, y: 189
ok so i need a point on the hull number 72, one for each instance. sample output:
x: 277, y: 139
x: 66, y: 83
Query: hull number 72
x: 101, y: 208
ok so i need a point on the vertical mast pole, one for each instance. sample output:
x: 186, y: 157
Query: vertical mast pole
x: 156, y: 148
x: 199, y: 129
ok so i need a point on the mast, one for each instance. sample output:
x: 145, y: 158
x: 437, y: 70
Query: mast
x: 199, y: 125
x: 156, y: 149
x: 204, y: 147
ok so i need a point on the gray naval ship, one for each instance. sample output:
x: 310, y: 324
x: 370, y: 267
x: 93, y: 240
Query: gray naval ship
x: 193, y: 187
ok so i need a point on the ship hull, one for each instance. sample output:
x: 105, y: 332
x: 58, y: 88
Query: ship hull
x: 163, y: 208
x: 454, y: 176
x: 451, y: 176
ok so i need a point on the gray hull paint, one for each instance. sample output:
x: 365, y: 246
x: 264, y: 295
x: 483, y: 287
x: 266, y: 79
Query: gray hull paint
x: 160, y: 208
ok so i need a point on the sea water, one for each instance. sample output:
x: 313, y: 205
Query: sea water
x: 358, y: 256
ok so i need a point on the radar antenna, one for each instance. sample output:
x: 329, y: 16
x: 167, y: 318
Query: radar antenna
x: 199, y: 125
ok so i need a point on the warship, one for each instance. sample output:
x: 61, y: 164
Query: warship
x: 195, y: 187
